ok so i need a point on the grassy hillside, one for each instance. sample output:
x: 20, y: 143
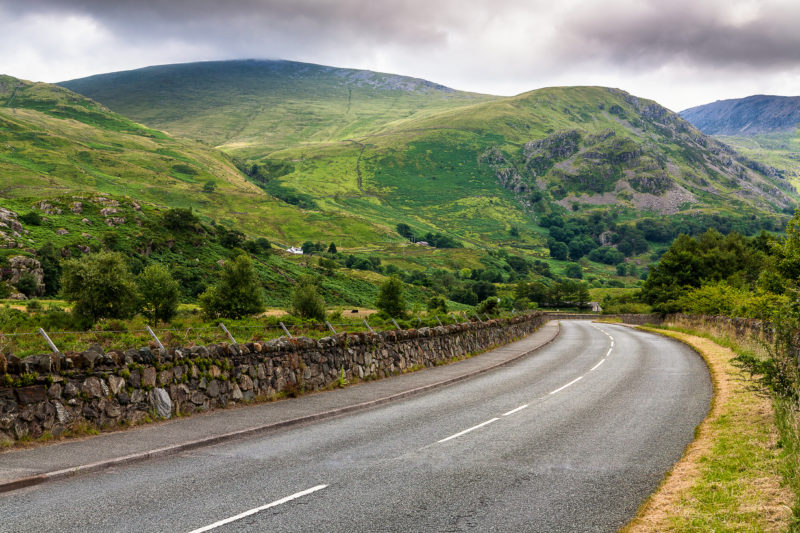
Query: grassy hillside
x: 780, y: 150
x: 252, y: 107
x: 54, y: 143
x: 484, y: 172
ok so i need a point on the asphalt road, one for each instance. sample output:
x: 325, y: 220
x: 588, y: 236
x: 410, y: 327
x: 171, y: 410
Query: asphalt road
x: 607, y: 411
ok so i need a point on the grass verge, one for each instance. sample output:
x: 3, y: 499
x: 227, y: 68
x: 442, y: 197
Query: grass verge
x: 729, y: 478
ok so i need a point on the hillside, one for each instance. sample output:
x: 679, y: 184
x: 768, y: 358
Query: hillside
x: 484, y: 172
x: 251, y: 107
x: 754, y: 115
x: 56, y: 143
x: 477, y: 171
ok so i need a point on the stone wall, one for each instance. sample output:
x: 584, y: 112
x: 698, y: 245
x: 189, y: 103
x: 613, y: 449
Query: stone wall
x: 54, y: 392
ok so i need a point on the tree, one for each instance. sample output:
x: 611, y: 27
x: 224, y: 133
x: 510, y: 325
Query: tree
x: 390, y: 298
x: 179, y: 219
x: 50, y: 261
x: 306, y: 300
x: 27, y: 285
x: 209, y: 186
x: 332, y: 248
x: 573, y: 270
x: 558, y: 250
x: 405, y: 230
x: 99, y: 286
x: 437, y: 304
x: 238, y: 292
x: 158, y: 294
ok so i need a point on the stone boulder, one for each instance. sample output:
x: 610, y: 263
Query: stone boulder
x: 20, y: 266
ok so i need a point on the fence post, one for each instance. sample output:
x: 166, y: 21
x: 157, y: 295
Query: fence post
x: 395, y: 324
x: 368, y: 326
x: 455, y: 320
x: 286, y: 330
x: 158, y: 342
x: 479, y: 318
x: 439, y: 321
x: 44, y: 334
x: 487, y: 316
x: 228, y: 333
x: 330, y: 327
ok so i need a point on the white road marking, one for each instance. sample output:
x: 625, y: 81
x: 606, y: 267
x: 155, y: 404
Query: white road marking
x: 511, y: 412
x: 259, y: 509
x: 608, y: 352
x: 473, y: 428
x: 567, y: 385
x: 603, y: 360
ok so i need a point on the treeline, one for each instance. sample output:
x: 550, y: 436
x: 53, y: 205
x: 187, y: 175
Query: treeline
x: 437, y: 240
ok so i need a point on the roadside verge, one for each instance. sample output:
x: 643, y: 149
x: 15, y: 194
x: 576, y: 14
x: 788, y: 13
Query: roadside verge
x: 728, y: 478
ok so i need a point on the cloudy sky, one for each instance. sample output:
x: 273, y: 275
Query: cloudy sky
x: 679, y: 52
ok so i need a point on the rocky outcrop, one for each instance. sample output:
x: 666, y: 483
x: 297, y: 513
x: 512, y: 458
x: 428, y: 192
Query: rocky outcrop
x: 21, y: 266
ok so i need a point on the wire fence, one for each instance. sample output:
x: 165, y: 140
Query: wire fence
x: 23, y: 344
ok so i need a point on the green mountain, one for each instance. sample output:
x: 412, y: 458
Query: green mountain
x: 251, y: 107
x: 459, y: 168
x: 54, y: 142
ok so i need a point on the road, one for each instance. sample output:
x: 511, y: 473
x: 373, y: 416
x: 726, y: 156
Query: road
x: 571, y: 438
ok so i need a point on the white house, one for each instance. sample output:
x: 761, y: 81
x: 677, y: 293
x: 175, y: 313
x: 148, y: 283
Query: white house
x: 295, y: 250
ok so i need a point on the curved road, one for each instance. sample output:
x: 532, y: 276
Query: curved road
x: 571, y: 438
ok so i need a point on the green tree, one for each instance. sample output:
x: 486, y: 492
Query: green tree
x: 405, y: 230
x: 306, y: 300
x: 158, y: 294
x: 332, y: 248
x: 390, y: 298
x: 99, y: 286
x: 209, y: 186
x: 27, y: 285
x: 50, y: 260
x: 179, y: 219
x: 437, y: 304
x: 238, y: 293
x: 574, y: 271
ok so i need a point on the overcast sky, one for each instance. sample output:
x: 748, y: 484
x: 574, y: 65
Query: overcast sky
x: 679, y: 52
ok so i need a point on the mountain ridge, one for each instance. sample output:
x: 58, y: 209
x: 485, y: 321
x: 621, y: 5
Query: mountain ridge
x: 752, y: 115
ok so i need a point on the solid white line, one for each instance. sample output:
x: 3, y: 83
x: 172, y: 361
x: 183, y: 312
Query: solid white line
x: 567, y: 385
x: 608, y: 352
x: 603, y: 360
x: 511, y: 412
x: 259, y: 509
x: 473, y: 428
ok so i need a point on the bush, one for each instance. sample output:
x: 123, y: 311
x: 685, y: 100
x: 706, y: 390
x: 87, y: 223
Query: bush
x: 574, y: 271
x: 27, y: 285
x: 488, y: 306
x: 306, y: 300
x: 99, y: 286
x: 390, y: 298
x: 158, y: 293
x: 437, y: 304
x: 238, y: 292
x: 32, y: 219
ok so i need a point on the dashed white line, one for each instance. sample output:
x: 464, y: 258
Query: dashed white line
x: 259, y: 509
x: 511, y: 412
x: 603, y: 360
x: 473, y: 428
x: 567, y: 385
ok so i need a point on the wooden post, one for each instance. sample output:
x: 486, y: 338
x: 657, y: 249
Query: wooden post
x: 286, y: 330
x: 44, y: 334
x: 228, y: 333
x: 439, y: 321
x: 330, y: 327
x: 395, y: 324
x: 368, y: 326
x: 158, y: 342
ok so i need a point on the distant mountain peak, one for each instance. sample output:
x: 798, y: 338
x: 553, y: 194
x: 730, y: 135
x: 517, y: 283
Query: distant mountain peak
x: 752, y: 115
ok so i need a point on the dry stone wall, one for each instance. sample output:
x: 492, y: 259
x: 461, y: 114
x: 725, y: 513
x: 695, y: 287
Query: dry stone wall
x: 55, y: 392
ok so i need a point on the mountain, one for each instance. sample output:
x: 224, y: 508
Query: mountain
x: 251, y: 107
x: 483, y: 171
x: 54, y: 142
x: 753, y: 115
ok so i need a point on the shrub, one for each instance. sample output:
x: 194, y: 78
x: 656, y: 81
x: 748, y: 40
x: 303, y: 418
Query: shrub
x: 437, y: 304
x: 390, y: 298
x: 158, y: 293
x: 99, y: 286
x: 238, y: 292
x: 27, y: 285
x: 306, y: 300
x: 32, y: 219
x: 489, y: 305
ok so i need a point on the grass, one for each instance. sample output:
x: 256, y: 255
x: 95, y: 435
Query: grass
x: 729, y: 478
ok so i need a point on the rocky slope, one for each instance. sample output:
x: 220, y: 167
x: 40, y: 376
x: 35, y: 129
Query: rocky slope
x: 746, y: 116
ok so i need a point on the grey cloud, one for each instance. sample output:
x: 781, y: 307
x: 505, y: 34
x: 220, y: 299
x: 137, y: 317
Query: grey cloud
x: 700, y: 34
